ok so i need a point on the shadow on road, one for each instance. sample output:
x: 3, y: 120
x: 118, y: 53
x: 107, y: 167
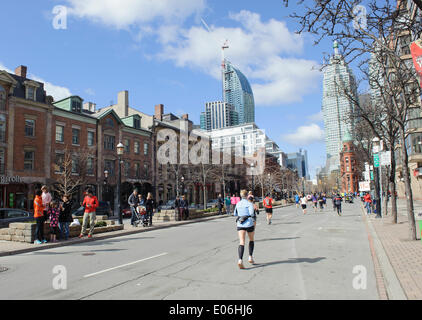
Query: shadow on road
x: 271, y: 239
x: 116, y: 240
x: 291, y: 260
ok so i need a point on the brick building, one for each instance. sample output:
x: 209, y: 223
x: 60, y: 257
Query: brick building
x: 348, y: 166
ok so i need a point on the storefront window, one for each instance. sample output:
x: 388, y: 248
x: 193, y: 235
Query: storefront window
x: 417, y: 143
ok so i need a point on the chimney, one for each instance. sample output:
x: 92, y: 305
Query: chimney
x: 123, y: 102
x: 185, y: 116
x: 159, y: 110
x: 21, y: 71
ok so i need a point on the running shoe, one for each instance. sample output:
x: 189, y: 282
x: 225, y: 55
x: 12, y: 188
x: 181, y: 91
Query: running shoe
x: 44, y: 241
x: 81, y: 236
x: 37, y: 242
x: 90, y: 236
x: 251, y: 260
x: 240, y: 264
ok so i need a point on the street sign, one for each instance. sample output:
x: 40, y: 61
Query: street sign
x: 376, y: 160
x: 386, y: 158
x: 367, y: 175
x: 372, y: 175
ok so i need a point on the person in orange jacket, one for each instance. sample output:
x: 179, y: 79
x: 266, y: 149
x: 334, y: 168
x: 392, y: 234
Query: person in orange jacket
x: 39, y: 218
x: 368, y: 202
x: 90, y: 203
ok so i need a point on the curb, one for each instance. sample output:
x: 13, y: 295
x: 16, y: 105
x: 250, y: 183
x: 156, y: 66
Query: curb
x: 109, y: 235
x: 388, y: 285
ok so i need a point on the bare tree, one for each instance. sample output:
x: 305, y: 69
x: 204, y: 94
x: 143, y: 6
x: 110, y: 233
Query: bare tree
x: 375, y: 33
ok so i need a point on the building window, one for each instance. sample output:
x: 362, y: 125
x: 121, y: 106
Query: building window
x: 28, y: 162
x: 76, y: 106
x: 2, y: 128
x: 146, y: 146
x: 146, y: 171
x: 30, y: 93
x: 127, y: 168
x: 137, y: 123
x: 136, y: 147
x: 126, y: 143
x: 75, y: 164
x: 75, y: 136
x: 59, y: 162
x: 109, y: 122
x: 2, y: 168
x: 59, y: 133
x: 29, y: 128
x: 417, y: 143
x: 137, y: 170
x: 109, y: 142
x: 110, y: 167
x: 2, y: 98
x: 91, y: 136
x: 90, y: 166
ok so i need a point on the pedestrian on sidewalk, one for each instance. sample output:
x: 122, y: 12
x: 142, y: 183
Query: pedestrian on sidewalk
x: 65, y: 217
x: 304, y: 203
x: 337, y: 202
x: 90, y: 203
x: 149, y: 206
x: 46, y: 199
x: 53, y: 215
x: 39, y: 218
x: 228, y: 205
x: 268, y: 204
x: 246, y: 220
x: 368, y: 203
x: 184, y: 206
x: 233, y: 202
x: 220, y: 204
x: 133, y: 202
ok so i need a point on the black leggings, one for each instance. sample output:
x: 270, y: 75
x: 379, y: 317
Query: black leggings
x: 39, y: 230
x: 241, y: 249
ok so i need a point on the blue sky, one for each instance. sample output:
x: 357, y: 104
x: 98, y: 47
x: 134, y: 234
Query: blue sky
x: 161, y: 52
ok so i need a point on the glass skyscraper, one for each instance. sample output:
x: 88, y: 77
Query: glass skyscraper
x: 218, y: 115
x: 337, y: 107
x: 238, y: 92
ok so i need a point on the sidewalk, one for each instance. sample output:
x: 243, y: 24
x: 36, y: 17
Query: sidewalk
x: 404, y: 255
x: 12, y: 247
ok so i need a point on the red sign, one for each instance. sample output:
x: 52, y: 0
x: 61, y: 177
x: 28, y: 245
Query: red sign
x: 416, y: 49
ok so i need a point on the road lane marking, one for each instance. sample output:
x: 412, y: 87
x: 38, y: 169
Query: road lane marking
x: 124, y: 265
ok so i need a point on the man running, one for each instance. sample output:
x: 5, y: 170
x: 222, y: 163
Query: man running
x: 304, y: 202
x: 268, y: 204
x: 297, y: 200
x: 337, y: 202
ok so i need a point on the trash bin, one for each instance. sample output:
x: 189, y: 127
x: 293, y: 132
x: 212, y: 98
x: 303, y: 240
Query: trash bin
x: 418, y: 222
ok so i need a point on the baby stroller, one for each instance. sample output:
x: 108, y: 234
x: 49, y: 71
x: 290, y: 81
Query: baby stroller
x: 141, y: 216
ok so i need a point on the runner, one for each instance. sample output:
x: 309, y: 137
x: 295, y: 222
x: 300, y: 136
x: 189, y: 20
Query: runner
x: 268, y: 204
x: 297, y: 200
x: 321, y: 202
x: 304, y: 202
x: 315, y: 202
x: 337, y: 202
x: 246, y: 219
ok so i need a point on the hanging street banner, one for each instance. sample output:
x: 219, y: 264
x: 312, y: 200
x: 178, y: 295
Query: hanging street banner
x: 386, y: 158
x: 377, y: 160
x: 416, y: 50
x: 364, y: 186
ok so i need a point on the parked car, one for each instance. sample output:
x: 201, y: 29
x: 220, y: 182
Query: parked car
x: 127, y: 213
x: 8, y: 216
x: 104, y: 209
x: 212, y: 203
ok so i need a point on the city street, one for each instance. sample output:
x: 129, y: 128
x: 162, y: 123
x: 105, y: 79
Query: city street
x: 298, y: 257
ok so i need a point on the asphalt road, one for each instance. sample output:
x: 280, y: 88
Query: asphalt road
x: 298, y: 257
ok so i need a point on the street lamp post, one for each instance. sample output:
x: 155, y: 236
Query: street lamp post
x: 376, y: 148
x: 182, y: 179
x: 105, y: 185
x: 120, y: 149
x: 253, y: 173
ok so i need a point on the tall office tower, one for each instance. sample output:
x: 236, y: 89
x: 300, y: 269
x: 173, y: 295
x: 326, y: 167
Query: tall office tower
x: 337, y: 106
x: 238, y: 92
x: 299, y: 161
x: 218, y: 115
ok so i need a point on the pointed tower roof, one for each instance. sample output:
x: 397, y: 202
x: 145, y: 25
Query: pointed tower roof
x: 347, y: 137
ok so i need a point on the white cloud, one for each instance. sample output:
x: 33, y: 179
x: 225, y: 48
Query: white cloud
x: 124, y: 14
x: 255, y: 48
x: 317, y: 117
x: 58, y: 92
x: 305, y: 135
